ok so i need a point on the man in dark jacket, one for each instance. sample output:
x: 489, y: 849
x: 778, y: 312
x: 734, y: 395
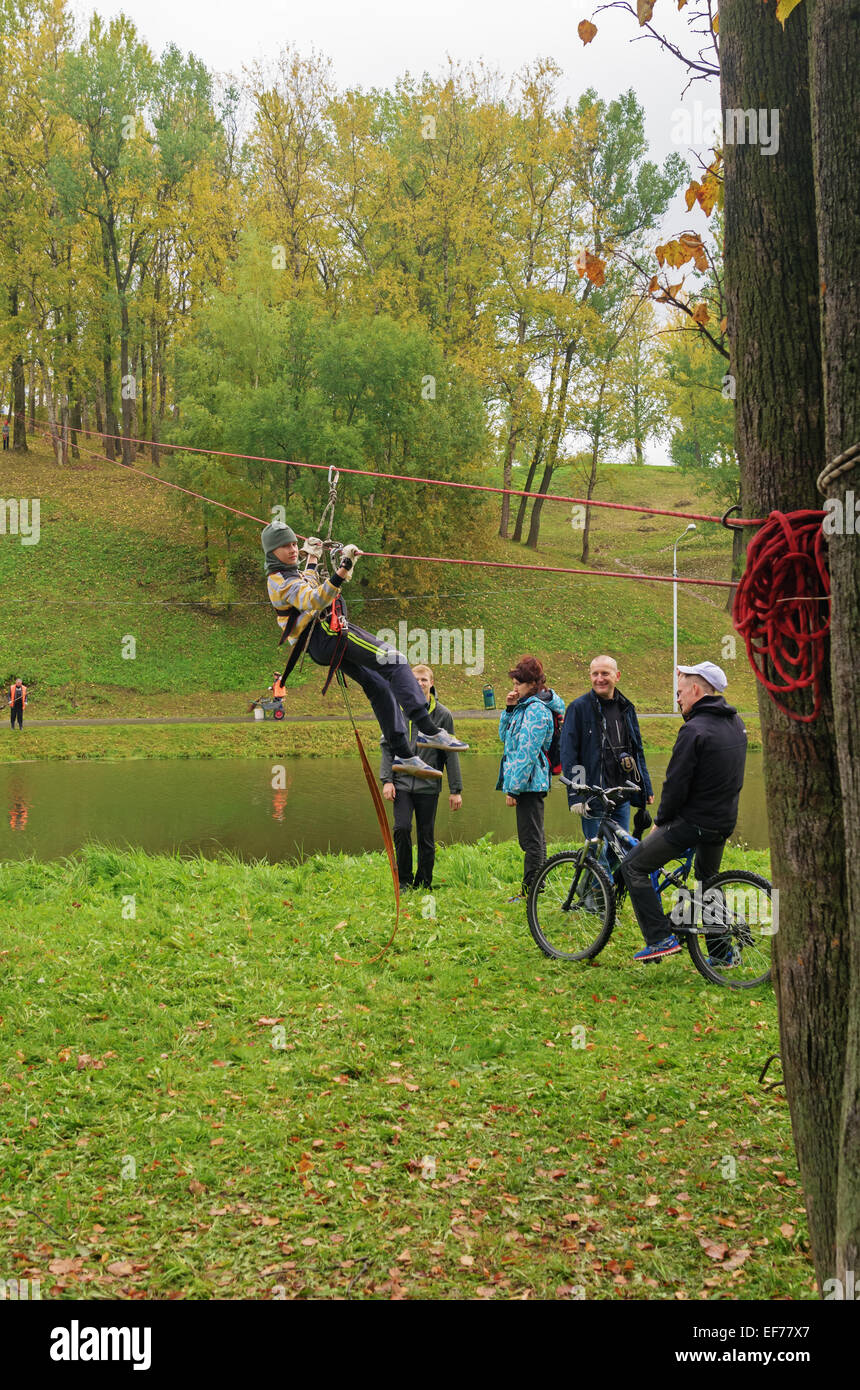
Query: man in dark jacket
x: 699, y: 805
x: 601, y: 746
x: 419, y: 796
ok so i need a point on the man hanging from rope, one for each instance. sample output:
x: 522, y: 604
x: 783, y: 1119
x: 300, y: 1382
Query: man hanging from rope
x: 300, y: 600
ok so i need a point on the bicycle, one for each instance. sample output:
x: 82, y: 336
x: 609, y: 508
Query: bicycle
x: 727, y: 922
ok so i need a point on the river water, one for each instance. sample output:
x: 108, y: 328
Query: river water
x: 51, y: 809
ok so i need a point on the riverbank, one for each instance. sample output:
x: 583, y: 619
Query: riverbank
x: 266, y: 739
x: 209, y: 1102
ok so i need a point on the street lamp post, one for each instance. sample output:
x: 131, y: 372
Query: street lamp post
x: 691, y: 527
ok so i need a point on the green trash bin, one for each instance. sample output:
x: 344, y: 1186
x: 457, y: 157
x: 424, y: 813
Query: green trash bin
x: 489, y: 697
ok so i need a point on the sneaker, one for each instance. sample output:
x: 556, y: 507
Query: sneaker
x: 415, y: 767
x: 728, y: 961
x: 667, y: 947
x: 442, y: 739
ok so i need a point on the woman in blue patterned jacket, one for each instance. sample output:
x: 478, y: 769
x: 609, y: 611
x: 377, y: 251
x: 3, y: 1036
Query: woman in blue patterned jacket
x: 526, y: 728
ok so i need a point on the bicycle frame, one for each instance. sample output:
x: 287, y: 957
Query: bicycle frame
x: 613, y: 836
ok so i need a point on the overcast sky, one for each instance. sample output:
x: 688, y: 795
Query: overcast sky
x: 372, y: 42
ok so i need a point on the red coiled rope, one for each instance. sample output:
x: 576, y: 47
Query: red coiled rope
x: 777, y: 607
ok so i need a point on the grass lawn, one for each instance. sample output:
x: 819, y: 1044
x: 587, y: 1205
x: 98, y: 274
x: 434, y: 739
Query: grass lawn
x: 205, y: 1099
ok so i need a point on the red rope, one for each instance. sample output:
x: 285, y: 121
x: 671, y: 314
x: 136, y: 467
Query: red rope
x: 399, y: 478
x: 428, y: 559
x: 775, y: 607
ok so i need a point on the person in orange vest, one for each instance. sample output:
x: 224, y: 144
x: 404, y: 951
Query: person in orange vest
x: 17, y: 701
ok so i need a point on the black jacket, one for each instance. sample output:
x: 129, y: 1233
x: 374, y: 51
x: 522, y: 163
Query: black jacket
x: 434, y: 757
x: 706, y: 769
x: 582, y: 745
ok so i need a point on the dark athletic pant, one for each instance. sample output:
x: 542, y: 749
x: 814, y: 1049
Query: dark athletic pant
x: 385, y: 677
x: 17, y: 712
x: 530, y: 833
x: 424, y: 806
x: 653, y: 852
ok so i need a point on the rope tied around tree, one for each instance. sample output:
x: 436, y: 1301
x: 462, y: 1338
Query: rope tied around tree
x: 841, y: 464
x: 776, y: 607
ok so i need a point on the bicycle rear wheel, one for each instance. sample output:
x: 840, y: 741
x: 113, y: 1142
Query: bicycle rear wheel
x: 571, y: 907
x: 735, y: 948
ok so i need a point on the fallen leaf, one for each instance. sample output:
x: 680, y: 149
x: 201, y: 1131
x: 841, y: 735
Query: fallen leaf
x: 736, y: 1258
x: 120, y: 1267
x: 714, y: 1250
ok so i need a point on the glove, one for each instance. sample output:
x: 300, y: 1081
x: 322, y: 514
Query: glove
x: 313, y: 547
x: 348, y: 557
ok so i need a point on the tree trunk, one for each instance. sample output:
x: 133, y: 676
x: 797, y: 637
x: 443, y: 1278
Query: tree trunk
x: 52, y: 415
x: 740, y: 536
x: 77, y: 425
x: 524, y: 501
x: 539, y: 448
x: 32, y: 397
x: 552, y: 454
x: 833, y: 29
x: 592, y: 480
x: 19, y: 405
x: 109, y: 439
x: 508, y: 470
x: 772, y: 288
x: 127, y: 383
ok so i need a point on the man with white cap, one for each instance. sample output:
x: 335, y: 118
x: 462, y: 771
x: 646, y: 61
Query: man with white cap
x: 699, y: 804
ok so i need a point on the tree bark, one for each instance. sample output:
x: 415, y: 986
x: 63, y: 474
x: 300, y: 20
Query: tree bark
x: 772, y: 287
x: 740, y: 537
x: 552, y: 453
x: 19, y: 405
x: 592, y: 480
x: 834, y: 26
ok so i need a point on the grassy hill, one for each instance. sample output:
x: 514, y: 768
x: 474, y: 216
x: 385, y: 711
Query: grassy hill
x: 116, y: 558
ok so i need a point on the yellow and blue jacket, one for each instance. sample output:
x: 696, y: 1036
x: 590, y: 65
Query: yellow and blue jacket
x: 297, y: 597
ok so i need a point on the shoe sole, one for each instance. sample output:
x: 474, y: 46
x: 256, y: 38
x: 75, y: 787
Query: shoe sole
x: 658, y: 955
x: 444, y: 747
x: 429, y: 772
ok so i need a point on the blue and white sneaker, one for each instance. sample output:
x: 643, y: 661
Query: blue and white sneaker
x: 414, y: 767
x: 669, y: 946
x: 441, y: 739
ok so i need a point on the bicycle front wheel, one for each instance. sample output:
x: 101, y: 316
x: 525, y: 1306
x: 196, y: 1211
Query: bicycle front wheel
x: 734, y: 946
x: 571, y: 907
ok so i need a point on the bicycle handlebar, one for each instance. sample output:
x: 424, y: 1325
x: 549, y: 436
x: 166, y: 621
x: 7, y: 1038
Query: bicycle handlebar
x: 604, y: 793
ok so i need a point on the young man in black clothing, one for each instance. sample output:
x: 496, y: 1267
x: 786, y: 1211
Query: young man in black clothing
x: 699, y: 805
x: 419, y: 797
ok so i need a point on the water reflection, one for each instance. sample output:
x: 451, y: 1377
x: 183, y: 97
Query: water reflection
x: 261, y: 811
